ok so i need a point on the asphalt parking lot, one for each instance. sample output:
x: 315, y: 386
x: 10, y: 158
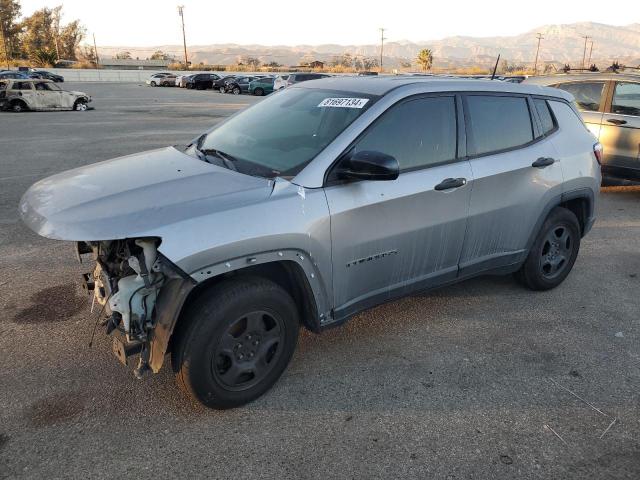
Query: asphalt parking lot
x: 480, y: 380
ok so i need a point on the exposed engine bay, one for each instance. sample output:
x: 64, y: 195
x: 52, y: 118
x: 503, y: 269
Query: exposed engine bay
x: 126, y: 281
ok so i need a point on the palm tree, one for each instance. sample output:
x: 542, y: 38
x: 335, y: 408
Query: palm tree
x: 425, y: 59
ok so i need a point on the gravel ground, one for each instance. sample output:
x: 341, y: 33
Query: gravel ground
x: 479, y: 380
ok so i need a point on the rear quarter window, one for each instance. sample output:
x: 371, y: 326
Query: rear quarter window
x: 546, y: 117
x: 588, y: 95
x: 497, y: 123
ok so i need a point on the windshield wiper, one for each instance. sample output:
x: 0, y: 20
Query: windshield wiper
x: 228, y: 160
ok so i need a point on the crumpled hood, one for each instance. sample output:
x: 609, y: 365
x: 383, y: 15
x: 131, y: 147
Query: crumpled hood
x: 134, y: 196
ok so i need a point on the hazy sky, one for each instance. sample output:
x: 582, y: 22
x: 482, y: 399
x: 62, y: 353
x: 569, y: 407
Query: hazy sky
x: 279, y: 22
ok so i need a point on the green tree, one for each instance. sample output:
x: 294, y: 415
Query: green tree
x: 69, y: 40
x: 425, y: 59
x: 123, y: 56
x: 42, y: 34
x: 10, y: 29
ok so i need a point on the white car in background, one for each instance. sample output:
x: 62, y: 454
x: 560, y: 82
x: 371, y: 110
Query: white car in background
x: 280, y: 82
x: 160, y: 80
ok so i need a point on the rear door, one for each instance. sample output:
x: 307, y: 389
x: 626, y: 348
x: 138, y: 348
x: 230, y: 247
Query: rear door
x: 390, y: 237
x: 25, y: 91
x: 505, y: 140
x: 620, y: 132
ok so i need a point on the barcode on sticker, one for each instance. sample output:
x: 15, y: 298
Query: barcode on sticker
x: 344, y: 102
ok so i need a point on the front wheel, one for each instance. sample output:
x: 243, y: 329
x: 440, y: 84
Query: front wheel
x: 553, y: 252
x: 153, y: 84
x: 80, y: 106
x: 236, y: 90
x: 236, y: 342
x: 259, y: 92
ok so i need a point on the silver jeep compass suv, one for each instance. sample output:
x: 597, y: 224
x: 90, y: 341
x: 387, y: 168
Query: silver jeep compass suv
x: 326, y: 198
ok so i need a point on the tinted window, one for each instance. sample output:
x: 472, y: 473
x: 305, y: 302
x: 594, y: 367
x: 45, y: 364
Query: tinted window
x: 498, y: 123
x: 417, y: 133
x: 3, y: 85
x: 545, y: 115
x: 626, y: 99
x: 588, y: 94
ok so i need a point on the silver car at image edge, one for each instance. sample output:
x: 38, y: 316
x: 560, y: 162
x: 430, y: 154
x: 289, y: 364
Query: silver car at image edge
x: 325, y: 199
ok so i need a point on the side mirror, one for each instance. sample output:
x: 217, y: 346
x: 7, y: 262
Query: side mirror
x: 369, y: 165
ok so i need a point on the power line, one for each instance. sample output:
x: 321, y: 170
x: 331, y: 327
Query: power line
x: 535, y: 64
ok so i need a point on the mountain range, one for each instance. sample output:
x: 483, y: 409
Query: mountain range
x: 560, y: 44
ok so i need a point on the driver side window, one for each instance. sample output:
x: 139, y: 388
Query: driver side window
x: 418, y: 133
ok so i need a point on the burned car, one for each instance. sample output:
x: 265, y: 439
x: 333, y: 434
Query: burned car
x: 325, y: 199
x: 19, y: 95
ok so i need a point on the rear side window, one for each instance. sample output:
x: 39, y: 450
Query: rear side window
x: 498, y: 123
x: 418, y: 133
x: 22, y: 86
x: 626, y: 99
x: 3, y: 85
x: 588, y: 94
x: 546, y: 118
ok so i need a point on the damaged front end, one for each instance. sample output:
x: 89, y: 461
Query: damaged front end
x: 129, y: 280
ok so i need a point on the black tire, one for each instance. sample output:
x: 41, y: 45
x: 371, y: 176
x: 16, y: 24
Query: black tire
x: 218, y: 358
x: 18, y: 106
x: 553, y: 252
x: 259, y: 92
x: 236, y: 91
x: 80, y: 105
x: 153, y: 84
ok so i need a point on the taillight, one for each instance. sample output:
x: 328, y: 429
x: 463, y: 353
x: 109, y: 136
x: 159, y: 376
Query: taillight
x: 597, y: 151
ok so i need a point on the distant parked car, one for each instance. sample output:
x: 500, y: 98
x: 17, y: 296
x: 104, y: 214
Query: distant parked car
x: 610, y: 106
x: 202, y: 81
x: 240, y: 85
x: 303, y: 77
x: 19, y: 95
x: 262, y: 86
x: 46, y: 75
x: 161, y: 79
x: 280, y: 82
x: 12, y: 74
x: 181, y: 80
x: 221, y: 83
x: 367, y: 74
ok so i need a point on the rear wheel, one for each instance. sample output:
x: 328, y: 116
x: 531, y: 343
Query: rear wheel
x: 236, y: 342
x: 553, y: 253
x: 236, y: 90
x: 18, y: 106
x: 259, y: 92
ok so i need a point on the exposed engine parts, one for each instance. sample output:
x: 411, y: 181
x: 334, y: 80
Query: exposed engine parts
x: 126, y: 281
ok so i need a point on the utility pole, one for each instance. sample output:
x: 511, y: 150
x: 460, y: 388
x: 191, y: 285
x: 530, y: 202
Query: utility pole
x: 535, y: 64
x: 382, y: 39
x: 95, y: 51
x: 584, y: 53
x: 590, y: 52
x: 184, y: 38
x: 4, y: 41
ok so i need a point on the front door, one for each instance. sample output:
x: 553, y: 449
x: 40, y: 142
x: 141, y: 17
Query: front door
x: 620, y: 133
x: 391, y: 237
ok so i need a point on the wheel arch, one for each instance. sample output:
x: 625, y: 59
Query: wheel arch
x: 176, y: 296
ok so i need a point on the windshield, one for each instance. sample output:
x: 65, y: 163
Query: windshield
x: 281, y: 134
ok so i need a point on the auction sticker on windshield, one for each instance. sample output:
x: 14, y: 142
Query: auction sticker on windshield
x: 344, y: 102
